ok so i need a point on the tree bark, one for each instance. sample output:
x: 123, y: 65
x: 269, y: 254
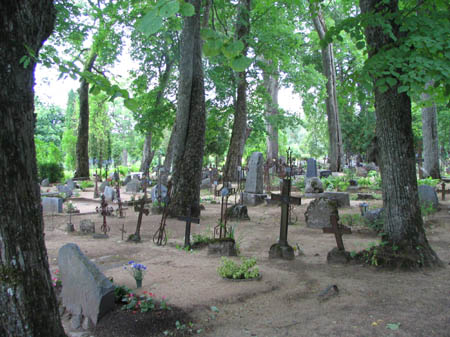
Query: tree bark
x: 271, y: 85
x: 430, y: 138
x: 189, y: 137
x: 335, y: 149
x: 403, y: 224
x: 82, y: 169
x: 27, y: 300
x: 147, y: 155
x: 168, y: 158
x: 237, y: 141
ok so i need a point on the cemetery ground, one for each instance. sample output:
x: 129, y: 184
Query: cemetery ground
x: 284, y: 302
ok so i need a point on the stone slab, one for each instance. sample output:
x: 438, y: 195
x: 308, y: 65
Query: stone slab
x: 253, y: 199
x: 255, y: 177
x: 52, y: 205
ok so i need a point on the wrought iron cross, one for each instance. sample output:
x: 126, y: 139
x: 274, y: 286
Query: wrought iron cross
x: 189, y: 220
x: 338, y: 230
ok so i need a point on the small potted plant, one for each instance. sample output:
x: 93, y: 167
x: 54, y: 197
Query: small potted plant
x: 137, y: 270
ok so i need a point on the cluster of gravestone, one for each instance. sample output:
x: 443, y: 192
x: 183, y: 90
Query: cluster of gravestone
x: 52, y: 202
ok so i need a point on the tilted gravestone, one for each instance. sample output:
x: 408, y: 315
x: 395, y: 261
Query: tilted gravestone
x: 64, y: 189
x: 319, y: 211
x: 45, y: 182
x: 86, y: 293
x: 342, y: 198
x: 311, y: 168
x: 133, y: 186
x: 52, y: 205
x: 102, y: 186
x: 254, y: 185
x: 109, y: 193
x: 428, y: 196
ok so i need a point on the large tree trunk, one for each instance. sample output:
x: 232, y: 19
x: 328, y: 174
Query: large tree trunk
x: 147, y: 155
x: 27, y: 300
x: 271, y: 85
x: 335, y: 150
x: 189, y: 137
x: 168, y: 158
x: 430, y: 138
x: 403, y: 224
x: 237, y: 141
x: 82, y: 169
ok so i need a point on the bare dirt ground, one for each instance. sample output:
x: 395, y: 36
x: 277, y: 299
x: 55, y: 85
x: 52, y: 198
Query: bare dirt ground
x: 284, y: 302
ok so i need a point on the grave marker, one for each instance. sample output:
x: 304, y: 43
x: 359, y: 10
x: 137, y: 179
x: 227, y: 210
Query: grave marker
x: 338, y: 230
x: 311, y: 168
x: 189, y: 220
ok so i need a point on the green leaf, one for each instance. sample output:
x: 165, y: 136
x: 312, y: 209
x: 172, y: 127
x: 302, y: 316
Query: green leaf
x: 383, y: 88
x: 391, y: 81
x: 186, y: 9
x: 150, y: 23
x: 360, y: 45
x: 233, y: 49
x: 212, y: 47
x: 169, y: 9
x: 403, y: 88
x: 215, y: 309
x: 131, y: 104
x: 241, y: 63
x: 393, y: 326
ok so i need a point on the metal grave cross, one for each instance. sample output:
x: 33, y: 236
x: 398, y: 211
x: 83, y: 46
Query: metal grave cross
x: 286, y: 200
x: 189, y: 220
x: 123, y: 230
x: 104, y: 212
x: 338, y: 230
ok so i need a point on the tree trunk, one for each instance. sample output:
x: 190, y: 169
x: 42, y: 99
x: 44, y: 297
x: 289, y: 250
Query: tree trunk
x: 147, y: 155
x: 430, y: 138
x: 237, y: 141
x: 82, y: 169
x: 189, y: 137
x: 124, y: 157
x: 403, y: 224
x: 271, y: 85
x: 27, y: 300
x: 335, y: 150
x: 168, y: 158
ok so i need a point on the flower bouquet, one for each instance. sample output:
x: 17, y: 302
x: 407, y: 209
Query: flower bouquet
x: 137, y: 270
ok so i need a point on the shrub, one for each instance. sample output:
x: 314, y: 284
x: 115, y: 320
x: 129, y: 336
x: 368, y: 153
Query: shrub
x: 428, y: 181
x: 246, y: 270
x: 53, y: 171
x: 86, y: 183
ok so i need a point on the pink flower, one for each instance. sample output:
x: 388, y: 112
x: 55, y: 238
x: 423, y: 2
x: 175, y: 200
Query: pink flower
x: 164, y: 297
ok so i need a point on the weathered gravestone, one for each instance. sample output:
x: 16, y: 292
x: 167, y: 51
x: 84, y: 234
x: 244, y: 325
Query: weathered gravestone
x: 70, y: 184
x: 237, y: 212
x: 133, y: 186
x: 428, y: 196
x: 102, y: 186
x: 254, y: 185
x: 64, y: 189
x: 342, y: 198
x: 311, y: 168
x: 159, y: 192
x: 86, y: 293
x: 45, y: 182
x: 87, y: 227
x: 313, y: 185
x: 109, y: 193
x: 319, y: 211
x: 52, y: 205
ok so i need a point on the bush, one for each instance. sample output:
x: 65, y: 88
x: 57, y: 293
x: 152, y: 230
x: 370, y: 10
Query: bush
x: 53, y: 171
x: 246, y: 270
x: 428, y: 181
x: 86, y: 183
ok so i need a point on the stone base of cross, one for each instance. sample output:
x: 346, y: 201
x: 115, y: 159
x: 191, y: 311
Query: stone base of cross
x: 281, y: 249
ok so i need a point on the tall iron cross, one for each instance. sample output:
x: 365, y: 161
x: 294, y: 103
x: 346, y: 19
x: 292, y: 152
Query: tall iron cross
x: 189, y: 220
x: 338, y: 230
x: 286, y: 200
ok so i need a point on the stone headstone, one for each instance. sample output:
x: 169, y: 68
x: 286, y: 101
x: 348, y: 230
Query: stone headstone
x: 311, y: 168
x: 64, y: 189
x: 52, y: 205
x: 102, y: 186
x: 255, y: 176
x: 86, y: 292
x: 342, y: 198
x: 371, y: 167
x: 87, y: 227
x: 45, y: 182
x: 70, y: 184
x: 206, y: 183
x: 318, y: 213
x: 237, y: 212
x: 126, y: 180
x: 325, y: 173
x: 109, y: 193
x: 155, y: 192
x: 133, y: 186
x: 222, y: 247
x: 313, y: 185
x: 428, y: 196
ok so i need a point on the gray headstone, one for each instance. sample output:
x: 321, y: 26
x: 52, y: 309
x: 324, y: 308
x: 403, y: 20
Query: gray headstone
x: 342, y: 198
x: 313, y: 185
x: 126, y: 180
x: 318, y: 213
x: 206, y: 183
x: 155, y: 192
x: 102, y: 186
x: 52, y: 205
x: 255, y: 176
x: 86, y: 292
x: 428, y: 196
x: 70, y: 184
x: 311, y: 168
x: 325, y: 173
x: 45, y: 182
x: 64, y: 189
x: 109, y: 193
x: 133, y: 186
x: 87, y: 226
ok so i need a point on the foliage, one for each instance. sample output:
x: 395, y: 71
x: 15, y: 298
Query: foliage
x: 300, y: 183
x: 427, y: 209
x: 53, y: 171
x: 428, y: 181
x: 56, y: 279
x: 142, y: 303
x: 335, y: 183
x: 201, y: 239
x: 86, y: 184
x: 246, y: 270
